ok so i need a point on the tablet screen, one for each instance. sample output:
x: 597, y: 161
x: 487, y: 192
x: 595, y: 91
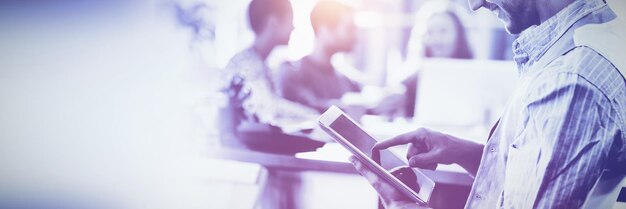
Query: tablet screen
x: 355, y: 139
x: 363, y: 141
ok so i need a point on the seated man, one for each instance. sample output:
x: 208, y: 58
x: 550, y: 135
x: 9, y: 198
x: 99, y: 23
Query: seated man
x: 271, y: 21
x: 313, y: 81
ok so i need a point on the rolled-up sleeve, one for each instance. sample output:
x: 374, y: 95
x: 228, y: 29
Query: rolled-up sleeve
x: 561, y: 151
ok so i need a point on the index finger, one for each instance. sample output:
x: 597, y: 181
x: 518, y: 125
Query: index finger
x: 413, y: 136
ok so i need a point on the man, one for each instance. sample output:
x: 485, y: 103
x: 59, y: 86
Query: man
x: 566, y: 122
x: 313, y: 81
x: 271, y: 22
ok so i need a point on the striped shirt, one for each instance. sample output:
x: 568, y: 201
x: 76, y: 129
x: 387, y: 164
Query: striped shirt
x: 566, y: 121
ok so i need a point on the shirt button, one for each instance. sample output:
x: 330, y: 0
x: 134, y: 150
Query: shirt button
x: 493, y: 148
x: 478, y: 197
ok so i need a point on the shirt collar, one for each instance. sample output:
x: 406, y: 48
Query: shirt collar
x: 533, y: 42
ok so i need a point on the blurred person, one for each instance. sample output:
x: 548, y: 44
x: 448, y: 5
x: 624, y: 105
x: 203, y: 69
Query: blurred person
x: 313, y: 81
x: 565, y: 123
x: 250, y: 76
x: 437, y: 33
x: 271, y: 22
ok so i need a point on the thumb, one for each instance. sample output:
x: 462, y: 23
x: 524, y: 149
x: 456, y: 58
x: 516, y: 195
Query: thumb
x: 425, y: 160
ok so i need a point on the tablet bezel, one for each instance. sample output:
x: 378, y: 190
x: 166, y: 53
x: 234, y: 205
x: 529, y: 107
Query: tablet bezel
x: 328, y: 117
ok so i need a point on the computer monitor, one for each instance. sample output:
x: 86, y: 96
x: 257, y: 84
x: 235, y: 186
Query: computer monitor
x: 453, y: 92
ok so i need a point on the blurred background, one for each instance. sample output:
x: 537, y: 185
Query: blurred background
x: 119, y: 104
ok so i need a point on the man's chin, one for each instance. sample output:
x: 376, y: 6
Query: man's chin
x: 512, y: 29
x: 515, y: 28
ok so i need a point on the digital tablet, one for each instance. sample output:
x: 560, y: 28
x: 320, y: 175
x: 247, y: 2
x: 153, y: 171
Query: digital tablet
x: 350, y: 135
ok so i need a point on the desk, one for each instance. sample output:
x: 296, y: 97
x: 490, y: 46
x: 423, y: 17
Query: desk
x: 451, y: 190
x: 281, y: 162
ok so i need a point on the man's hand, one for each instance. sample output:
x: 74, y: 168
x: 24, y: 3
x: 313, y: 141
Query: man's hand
x: 392, y: 198
x: 428, y: 148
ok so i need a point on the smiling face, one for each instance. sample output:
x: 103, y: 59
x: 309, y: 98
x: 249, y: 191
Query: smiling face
x: 517, y: 15
x: 440, y: 38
